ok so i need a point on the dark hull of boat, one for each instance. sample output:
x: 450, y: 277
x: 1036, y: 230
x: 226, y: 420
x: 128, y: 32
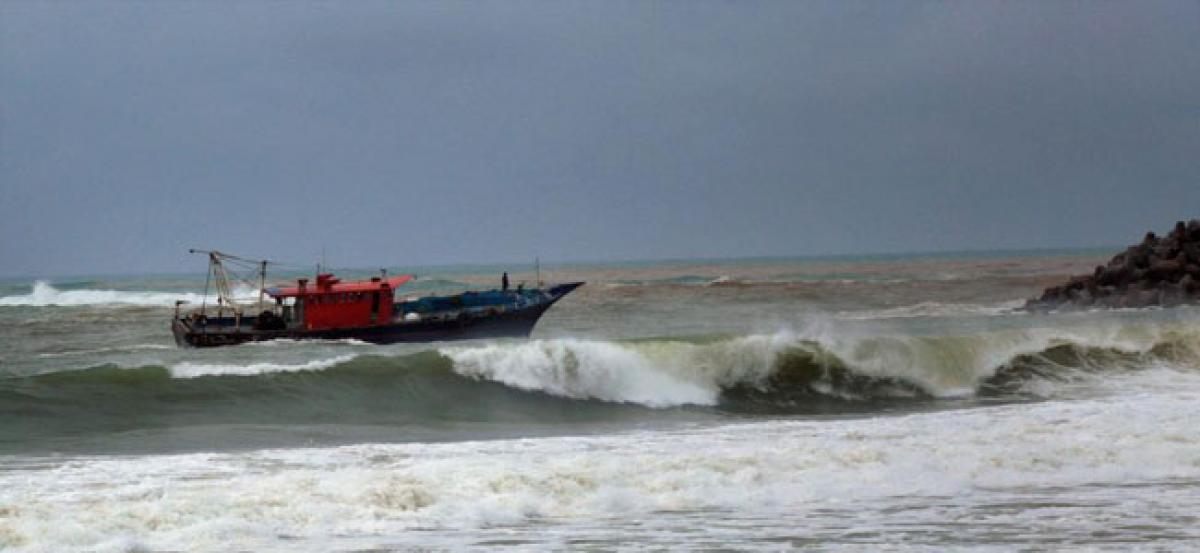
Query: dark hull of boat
x: 517, y: 323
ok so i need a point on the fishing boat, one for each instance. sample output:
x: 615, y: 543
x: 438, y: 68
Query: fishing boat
x: 372, y: 310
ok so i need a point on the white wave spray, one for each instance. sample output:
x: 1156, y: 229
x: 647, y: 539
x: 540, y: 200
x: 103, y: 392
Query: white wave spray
x: 43, y: 294
x: 655, y: 374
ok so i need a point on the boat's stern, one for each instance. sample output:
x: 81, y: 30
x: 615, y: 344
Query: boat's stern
x: 181, y: 329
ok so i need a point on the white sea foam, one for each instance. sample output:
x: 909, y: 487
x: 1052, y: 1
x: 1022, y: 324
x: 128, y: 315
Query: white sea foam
x: 1052, y: 469
x: 194, y: 370
x: 43, y: 294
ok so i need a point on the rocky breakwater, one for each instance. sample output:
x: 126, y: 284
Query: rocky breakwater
x: 1158, y: 272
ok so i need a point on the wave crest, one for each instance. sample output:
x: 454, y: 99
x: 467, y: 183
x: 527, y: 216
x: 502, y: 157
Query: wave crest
x: 785, y: 366
x: 197, y: 370
x: 782, y: 370
x: 651, y: 373
x: 43, y: 294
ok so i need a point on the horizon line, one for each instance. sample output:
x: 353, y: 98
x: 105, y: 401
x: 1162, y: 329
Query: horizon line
x: 636, y: 260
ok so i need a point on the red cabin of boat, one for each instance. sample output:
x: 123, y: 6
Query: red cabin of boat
x: 331, y: 303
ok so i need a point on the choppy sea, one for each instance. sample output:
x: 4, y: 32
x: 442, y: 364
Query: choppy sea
x: 898, y: 402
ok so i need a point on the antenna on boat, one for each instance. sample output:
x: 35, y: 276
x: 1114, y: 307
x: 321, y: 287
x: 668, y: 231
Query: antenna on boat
x: 537, y: 268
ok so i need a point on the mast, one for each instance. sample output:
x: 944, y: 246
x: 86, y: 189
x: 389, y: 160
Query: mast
x: 224, y: 295
x: 207, y: 278
x: 262, y: 284
x: 219, y: 276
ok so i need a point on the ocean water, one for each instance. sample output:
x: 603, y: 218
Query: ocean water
x: 896, y: 402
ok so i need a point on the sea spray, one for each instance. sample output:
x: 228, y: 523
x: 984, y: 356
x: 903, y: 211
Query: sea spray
x: 655, y: 373
x: 582, y: 369
x: 44, y: 294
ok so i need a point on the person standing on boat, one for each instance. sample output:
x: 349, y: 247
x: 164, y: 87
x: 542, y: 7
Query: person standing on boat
x: 504, y: 282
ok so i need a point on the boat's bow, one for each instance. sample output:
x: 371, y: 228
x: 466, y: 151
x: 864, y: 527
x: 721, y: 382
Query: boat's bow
x: 557, y: 291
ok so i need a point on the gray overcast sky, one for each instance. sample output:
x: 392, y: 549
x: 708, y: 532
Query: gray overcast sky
x: 442, y: 132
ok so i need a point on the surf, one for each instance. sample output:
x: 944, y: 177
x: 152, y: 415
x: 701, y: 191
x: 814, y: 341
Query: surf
x: 573, y: 380
x: 1068, y: 458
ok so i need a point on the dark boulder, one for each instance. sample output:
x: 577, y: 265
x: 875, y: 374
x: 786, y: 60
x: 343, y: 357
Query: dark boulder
x: 1167, y: 269
x: 1114, y: 276
x: 1189, y: 284
x: 1191, y: 252
x: 1159, y: 271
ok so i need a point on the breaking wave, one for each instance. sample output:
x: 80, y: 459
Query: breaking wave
x: 543, y: 379
x: 43, y: 294
x: 787, y: 367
